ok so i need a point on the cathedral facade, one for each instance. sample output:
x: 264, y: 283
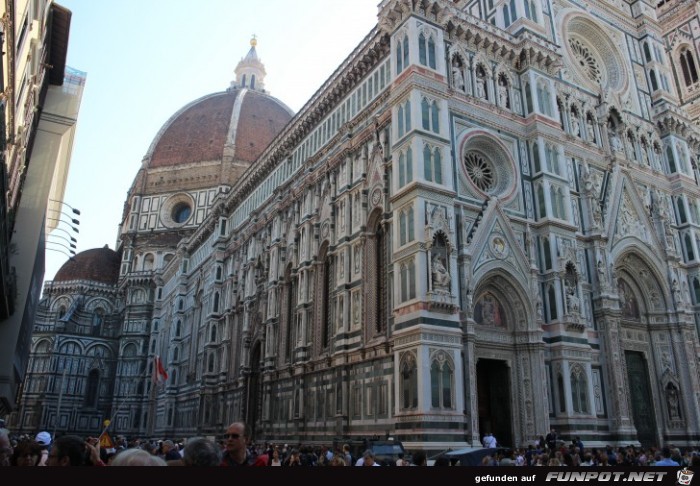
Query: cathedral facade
x: 486, y: 220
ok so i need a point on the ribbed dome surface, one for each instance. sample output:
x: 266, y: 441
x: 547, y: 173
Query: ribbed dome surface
x: 244, y: 120
x: 96, y: 265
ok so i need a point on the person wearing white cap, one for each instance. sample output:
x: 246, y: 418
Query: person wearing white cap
x: 44, y: 441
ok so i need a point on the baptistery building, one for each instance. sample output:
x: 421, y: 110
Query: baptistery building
x: 486, y: 220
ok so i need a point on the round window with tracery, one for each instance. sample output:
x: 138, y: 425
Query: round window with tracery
x: 586, y: 60
x: 480, y: 170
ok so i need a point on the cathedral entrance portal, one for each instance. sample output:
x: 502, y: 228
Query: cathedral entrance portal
x: 640, y: 396
x: 254, y: 391
x: 493, y: 391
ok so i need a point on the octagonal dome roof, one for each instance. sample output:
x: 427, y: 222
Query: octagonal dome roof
x: 96, y: 265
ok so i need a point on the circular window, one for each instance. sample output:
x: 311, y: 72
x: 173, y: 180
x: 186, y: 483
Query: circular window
x: 177, y: 210
x: 181, y: 212
x: 480, y: 171
x: 488, y: 165
x: 593, y: 54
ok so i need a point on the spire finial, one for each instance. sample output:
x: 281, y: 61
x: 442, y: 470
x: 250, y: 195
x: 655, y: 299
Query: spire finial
x: 254, y: 41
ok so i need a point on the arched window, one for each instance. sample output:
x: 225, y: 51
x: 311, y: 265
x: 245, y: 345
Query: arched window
x: 562, y: 397
x: 215, y: 305
x: 408, y: 281
x: 690, y: 72
x: 425, y: 113
x: 530, y: 10
x: 409, y: 382
x: 210, y: 363
x: 551, y: 303
x: 671, y: 159
x: 61, y: 312
x: 176, y: 354
x: 653, y: 81
x: 536, y: 158
x: 243, y: 79
x: 401, y: 127
x: 93, y: 382
x: 541, y: 205
x: 252, y: 81
x: 432, y: 164
x: 506, y: 16
x: 153, y: 346
x: 681, y: 211
x: 173, y: 377
x: 148, y: 262
x: 212, y: 334
x: 97, y: 319
x: 546, y: 250
x: 218, y: 273
x: 647, y: 52
x: 441, y: 382
x: 689, y: 247
x: 401, y: 54
x: 528, y: 98
x: 178, y: 328
x: 696, y: 289
x: 579, y: 390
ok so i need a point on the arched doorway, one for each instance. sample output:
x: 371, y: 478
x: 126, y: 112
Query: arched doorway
x: 493, y: 390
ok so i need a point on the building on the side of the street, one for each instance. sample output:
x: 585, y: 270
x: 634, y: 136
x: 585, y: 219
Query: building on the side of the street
x: 39, y: 103
x: 485, y: 220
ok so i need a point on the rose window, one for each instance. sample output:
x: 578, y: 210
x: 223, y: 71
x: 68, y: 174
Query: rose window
x: 586, y: 60
x: 480, y: 171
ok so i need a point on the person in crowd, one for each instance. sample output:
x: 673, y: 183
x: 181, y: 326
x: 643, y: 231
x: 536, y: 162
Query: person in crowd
x: 420, y: 459
x: 551, y: 439
x: 26, y: 453
x: 237, y: 454
x: 368, y: 459
x: 665, y: 459
x: 69, y: 450
x: 275, y: 458
x: 5, y: 447
x: 44, y: 441
x: 201, y: 452
x: 136, y: 457
x: 294, y: 459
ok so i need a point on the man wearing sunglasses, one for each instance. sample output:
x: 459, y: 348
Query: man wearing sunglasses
x: 237, y: 454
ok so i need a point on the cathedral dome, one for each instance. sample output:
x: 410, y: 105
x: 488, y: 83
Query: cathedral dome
x: 97, y: 265
x: 235, y: 125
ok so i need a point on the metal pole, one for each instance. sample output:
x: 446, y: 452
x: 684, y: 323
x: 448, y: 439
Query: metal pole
x: 60, y: 399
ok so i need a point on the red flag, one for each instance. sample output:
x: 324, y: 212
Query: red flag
x: 159, y: 373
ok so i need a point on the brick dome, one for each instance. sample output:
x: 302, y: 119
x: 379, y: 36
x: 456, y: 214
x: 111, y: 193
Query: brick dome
x: 238, y: 123
x: 96, y: 265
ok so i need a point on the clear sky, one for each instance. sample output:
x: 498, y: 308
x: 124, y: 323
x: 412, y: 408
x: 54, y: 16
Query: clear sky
x: 146, y: 59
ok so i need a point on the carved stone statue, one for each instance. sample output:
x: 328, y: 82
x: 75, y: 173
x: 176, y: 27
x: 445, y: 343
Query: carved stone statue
x: 591, y: 130
x: 441, y: 277
x: 503, y: 100
x: 672, y: 401
x: 575, y: 125
x: 457, y: 76
x: 480, y: 86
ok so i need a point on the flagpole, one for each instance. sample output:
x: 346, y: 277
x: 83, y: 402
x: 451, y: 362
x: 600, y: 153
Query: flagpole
x: 111, y: 420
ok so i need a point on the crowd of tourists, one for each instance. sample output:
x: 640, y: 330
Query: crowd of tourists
x: 235, y: 449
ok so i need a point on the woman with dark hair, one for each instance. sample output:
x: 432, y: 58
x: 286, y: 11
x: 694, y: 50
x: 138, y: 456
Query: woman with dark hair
x: 27, y: 453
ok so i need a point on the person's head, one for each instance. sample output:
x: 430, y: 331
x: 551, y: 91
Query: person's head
x: 167, y: 445
x: 666, y: 451
x: 201, y: 451
x: 275, y: 453
x: 337, y: 461
x: 137, y: 457
x: 43, y: 439
x: 68, y: 450
x: 26, y: 453
x: 5, y: 447
x: 235, y: 437
x: 420, y: 459
x: 442, y: 461
x: 368, y: 457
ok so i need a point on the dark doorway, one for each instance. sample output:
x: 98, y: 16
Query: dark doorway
x: 254, y: 391
x: 493, y: 390
x: 640, y: 396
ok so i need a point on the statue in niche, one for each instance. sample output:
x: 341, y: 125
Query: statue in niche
x: 480, y: 83
x: 503, y: 99
x: 572, y: 301
x: 615, y: 143
x: 672, y: 402
x: 591, y: 130
x: 441, y: 277
x: 457, y: 76
x: 602, y: 280
x: 575, y: 124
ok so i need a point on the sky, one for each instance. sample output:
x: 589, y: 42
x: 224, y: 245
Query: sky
x: 146, y: 59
